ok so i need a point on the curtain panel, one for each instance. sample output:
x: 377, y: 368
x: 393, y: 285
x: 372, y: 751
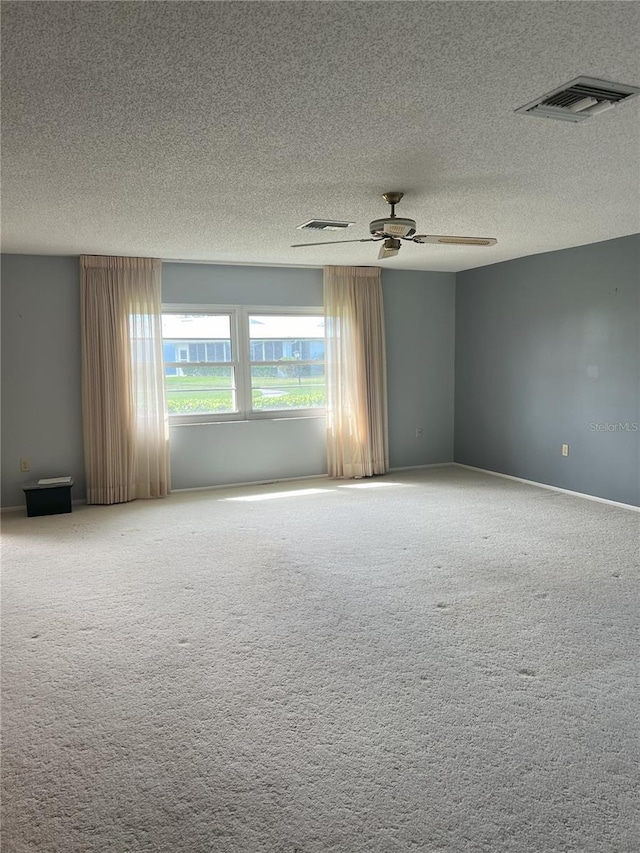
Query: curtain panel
x: 125, y: 421
x: 357, y: 440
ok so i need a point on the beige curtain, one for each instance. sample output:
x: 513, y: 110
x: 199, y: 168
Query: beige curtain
x: 125, y: 423
x: 357, y: 443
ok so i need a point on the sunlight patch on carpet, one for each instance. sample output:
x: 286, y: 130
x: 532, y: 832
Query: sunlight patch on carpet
x: 373, y: 485
x: 273, y: 495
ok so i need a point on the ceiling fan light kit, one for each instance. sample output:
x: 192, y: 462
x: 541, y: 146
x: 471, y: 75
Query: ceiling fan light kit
x: 392, y: 229
x: 389, y: 248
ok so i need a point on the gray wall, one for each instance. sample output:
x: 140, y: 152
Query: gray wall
x: 244, y: 451
x: 41, y: 401
x: 41, y: 393
x: 548, y: 347
x: 419, y: 322
x: 419, y: 311
x: 215, y: 284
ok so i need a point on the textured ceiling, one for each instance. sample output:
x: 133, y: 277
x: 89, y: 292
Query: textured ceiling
x: 208, y: 131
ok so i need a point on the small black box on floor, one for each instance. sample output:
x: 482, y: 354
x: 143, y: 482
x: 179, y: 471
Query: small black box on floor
x: 48, y: 498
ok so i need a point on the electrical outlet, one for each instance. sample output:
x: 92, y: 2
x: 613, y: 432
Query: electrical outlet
x: 565, y: 449
x: 25, y: 465
x: 419, y: 432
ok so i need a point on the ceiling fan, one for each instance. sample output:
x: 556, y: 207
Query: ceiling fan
x: 392, y: 229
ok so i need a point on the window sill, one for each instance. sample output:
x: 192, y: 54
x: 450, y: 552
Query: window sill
x: 259, y: 419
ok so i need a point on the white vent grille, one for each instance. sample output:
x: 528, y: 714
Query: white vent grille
x: 580, y: 99
x: 324, y: 225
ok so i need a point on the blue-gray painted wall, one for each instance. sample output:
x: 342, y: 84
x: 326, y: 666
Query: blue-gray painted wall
x: 41, y: 393
x: 419, y: 314
x: 548, y: 353
x: 41, y: 375
x: 547, y: 348
x: 244, y: 451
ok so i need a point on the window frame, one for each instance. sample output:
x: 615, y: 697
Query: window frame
x: 241, y: 362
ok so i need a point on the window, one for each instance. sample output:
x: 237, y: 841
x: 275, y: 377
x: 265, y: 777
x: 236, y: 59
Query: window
x: 243, y: 363
x: 200, y: 373
x: 287, y: 362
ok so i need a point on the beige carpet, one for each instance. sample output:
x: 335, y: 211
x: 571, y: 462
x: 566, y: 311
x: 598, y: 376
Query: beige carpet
x: 429, y: 661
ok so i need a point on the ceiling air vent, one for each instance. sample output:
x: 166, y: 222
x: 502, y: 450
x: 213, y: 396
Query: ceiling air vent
x: 580, y: 99
x: 324, y: 225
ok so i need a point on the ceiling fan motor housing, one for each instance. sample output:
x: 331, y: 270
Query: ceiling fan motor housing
x: 394, y: 226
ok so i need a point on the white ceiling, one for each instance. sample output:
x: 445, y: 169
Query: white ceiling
x: 208, y: 131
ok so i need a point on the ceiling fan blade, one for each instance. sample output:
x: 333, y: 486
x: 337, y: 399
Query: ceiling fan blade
x: 387, y: 253
x: 454, y: 241
x: 333, y: 242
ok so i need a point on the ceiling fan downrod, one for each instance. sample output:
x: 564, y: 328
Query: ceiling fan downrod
x: 392, y: 199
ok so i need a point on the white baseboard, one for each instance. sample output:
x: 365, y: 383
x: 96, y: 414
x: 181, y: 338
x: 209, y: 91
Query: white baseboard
x: 420, y: 467
x: 249, y: 483
x: 632, y: 507
x: 23, y: 508
x: 296, y: 479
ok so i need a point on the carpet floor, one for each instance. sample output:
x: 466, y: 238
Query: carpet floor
x: 434, y: 660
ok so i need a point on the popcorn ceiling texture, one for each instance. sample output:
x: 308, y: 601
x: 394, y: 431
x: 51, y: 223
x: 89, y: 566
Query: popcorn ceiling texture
x: 429, y: 661
x: 208, y: 131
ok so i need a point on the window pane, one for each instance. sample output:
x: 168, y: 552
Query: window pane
x: 274, y: 326
x: 196, y: 337
x: 288, y: 386
x: 200, y: 390
x: 290, y: 340
x: 282, y: 336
